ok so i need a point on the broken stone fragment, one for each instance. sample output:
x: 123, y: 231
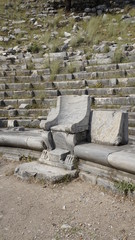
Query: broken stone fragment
x: 9, y: 107
x: 24, y: 106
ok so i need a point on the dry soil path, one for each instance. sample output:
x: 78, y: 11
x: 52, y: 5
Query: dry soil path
x: 75, y: 211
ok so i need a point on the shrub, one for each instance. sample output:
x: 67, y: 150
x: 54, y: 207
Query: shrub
x: 34, y: 48
x: 118, y: 56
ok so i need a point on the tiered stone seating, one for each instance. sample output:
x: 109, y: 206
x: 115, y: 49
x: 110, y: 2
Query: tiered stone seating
x: 109, y: 85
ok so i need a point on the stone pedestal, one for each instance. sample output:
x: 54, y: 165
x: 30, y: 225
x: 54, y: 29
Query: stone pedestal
x: 59, y: 158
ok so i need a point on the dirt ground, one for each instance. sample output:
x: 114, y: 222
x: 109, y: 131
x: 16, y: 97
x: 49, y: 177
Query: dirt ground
x: 75, y: 211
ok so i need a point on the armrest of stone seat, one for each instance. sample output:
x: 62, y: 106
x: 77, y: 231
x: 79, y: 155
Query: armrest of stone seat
x: 62, y: 128
x: 71, y: 128
x: 80, y: 126
x: 48, y: 140
x: 52, y: 119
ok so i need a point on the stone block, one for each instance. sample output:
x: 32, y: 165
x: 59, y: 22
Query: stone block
x: 12, y: 123
x: 56, y: 155
x: 68, y: 141
x: 44, y: 158
x: 35, y: 123
x: 3, y: 123
x: 109, y: 127
x: 24, y: 106
x: 56, y: 56
x: 12, y: 113
x: 43, y: 172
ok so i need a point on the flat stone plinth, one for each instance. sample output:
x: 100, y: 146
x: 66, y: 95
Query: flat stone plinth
x: 38, y: 171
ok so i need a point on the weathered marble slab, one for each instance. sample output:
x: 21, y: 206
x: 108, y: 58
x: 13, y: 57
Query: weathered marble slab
x: 109, y: 127
x: 43, y: 172
x: 71, y: 114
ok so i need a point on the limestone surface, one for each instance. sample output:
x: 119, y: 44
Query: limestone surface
x: 123, y: 160
x: 109, y: 127
x: 94, y: 152
x: 67, y: 117
x: 43, y: 172
x: 22, y: 139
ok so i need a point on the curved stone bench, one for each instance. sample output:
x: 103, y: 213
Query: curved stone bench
x: 123, y: 160
x: 108, y: 130
x: 23, y: 139
x: 110, y: 156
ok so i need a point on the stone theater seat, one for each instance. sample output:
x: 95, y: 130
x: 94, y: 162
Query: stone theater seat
x: 65, y: 127
x: 69, y: 122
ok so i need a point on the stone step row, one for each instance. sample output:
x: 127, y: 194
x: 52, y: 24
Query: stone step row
x: 92, y: 71
x: 24, y: 72
x: 110, y: 67
x: 131, y: 139
x: 114, y: 101
x: 107, y: 74
x: 131, y: 130
x: 131, y: 122
x: 119, y: 92
x: 26, y: 86
x: 24, y: 113
x: 38, y: 83
x: 78, y: 64
x: 115, y: 93
x: 97, y: 58
x: 29, y: 94
x: 41, y: 93
x: 95, y: 83
x: 131, y: 115
x: 34, y: 103
x: 101, y: 101
x: 83, y: 75
x: 34, y: 77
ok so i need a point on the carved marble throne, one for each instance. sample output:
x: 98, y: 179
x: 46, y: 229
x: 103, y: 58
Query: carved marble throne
x: 65, y: 127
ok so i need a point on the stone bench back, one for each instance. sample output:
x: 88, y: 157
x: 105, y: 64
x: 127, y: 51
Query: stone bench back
x: 71, y: 114
x: 109, y: 127
x: 72, y: 109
